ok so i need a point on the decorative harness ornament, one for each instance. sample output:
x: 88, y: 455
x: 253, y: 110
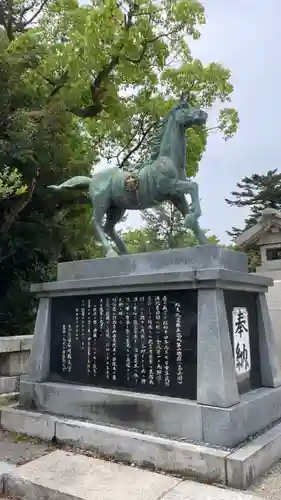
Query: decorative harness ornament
x: 131, y: 183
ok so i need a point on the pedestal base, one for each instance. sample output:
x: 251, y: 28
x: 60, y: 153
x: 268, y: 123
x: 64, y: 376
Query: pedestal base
x: 169, y: 417
x: 81, y: 325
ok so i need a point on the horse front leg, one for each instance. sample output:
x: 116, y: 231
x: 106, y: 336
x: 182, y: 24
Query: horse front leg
x: 191, y: 188
x: 192, y: 224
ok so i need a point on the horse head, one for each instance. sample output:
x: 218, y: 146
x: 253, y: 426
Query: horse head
x: 188, y: 116
x: 181, y: 117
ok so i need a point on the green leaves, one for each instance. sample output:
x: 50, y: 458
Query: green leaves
x: 11, y: 183
x: 196, y: 145
x: 39, y: 144
x: 228, y: 122
x: 138, y: 57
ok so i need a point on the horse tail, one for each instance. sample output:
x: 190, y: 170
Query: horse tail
x: 78, y: 182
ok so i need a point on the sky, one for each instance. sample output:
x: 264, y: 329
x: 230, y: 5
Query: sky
x: 242, y: 35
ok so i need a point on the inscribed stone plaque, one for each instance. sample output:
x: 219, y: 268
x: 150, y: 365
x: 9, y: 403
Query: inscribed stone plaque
x: 241, y: 310
x: 241, y: 340
x: 146, y: 342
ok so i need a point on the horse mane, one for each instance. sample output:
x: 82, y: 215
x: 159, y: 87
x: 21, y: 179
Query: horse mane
x: 156, y: 140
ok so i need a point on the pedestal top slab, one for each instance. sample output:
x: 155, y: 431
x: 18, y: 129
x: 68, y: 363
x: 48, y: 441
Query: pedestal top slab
x: 184, y: 259
x: 173, y: 280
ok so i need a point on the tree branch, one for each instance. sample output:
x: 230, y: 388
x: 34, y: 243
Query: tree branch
x: 125, y: 148
x: 9, y: 24
x: 212, y: 129
x: 12, y: 17
x: 145, y: 45
x: 35, y: 15
x: 29, y: 7
x: 58, y: 83
x: 88, y: 112
x: 138, y: 144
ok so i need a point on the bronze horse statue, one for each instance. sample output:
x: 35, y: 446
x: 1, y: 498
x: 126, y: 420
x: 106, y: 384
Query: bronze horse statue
x: 161, y: 177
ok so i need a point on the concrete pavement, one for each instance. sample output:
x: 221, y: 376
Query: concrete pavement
x: 62, y: 475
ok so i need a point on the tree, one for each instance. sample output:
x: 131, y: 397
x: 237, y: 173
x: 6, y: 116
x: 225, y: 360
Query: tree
x: 124, y: 63
x: 256, y: 192
x: 47, y: 230
x: 141, y: 241
x: 164, y: 229
x: 36, y: 228
x: 110, y: 61
x: 167, y: 225
x: 80, y: 83
x: 259, y: 191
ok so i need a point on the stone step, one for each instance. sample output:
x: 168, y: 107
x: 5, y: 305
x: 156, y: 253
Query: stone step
x: 63, y: 475
x: 235, y: 468
x: 192, y: 460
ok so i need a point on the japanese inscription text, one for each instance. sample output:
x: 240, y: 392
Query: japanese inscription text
x: 138, y: 341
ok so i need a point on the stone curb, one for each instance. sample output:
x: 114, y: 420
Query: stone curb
x: 236, y: 469
x: 251, y: 460
x: 5, y: 469
x: 62, y: 475
x: 9, y: 384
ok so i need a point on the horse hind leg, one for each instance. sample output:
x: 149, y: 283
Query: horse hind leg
x: 100, y: 233
x: 113, y: 216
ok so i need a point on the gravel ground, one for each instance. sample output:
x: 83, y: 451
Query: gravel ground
x: 17, y: 449
x: 269, y: 484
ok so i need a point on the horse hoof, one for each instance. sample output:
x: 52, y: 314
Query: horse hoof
x: 111, y: 253
x: 190, y: 221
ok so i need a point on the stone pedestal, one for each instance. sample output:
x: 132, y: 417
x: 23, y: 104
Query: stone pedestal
x: 176, y: 343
